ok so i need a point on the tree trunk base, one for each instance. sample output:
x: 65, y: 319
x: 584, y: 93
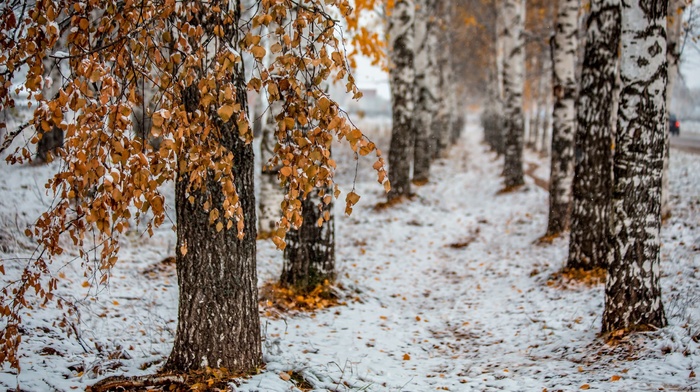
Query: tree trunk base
x: 205, y: 381
x: 138, y: 383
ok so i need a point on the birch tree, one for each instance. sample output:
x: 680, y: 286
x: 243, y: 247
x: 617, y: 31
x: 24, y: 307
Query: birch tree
x: 427, y: 80
x: 446, y: 115
x: 632, y: 291
x: 592, y: 185
x: 564, y: 50
x: 513, y: 65
x: 493, y: 116
x: 402, y: 79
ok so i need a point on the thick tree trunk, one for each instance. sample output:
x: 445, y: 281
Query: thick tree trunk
x: 592, y: 186
x: 564, y: 49
x: 674, y: 25
x: 402, y: 74
x: 218, y: 322
x: 632, y: 291
x: 426, y: 96
x: 309, y: 257
x: 514, y: 24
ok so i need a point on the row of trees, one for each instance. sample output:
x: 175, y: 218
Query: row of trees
x: 425, y: 110
x: 609, y: 142
x: 153, y: 91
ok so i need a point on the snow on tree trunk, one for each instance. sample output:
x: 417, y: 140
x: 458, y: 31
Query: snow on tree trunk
x: 592, y: 186
x: 271, y: 193
x: 632, y: 291
x: 427, y: 79
x: 673, y: 36
x: 309, y: 257
x: 402, y: 78
x: 564, y: 49
x: 218, y: 322
x: 514, y: 46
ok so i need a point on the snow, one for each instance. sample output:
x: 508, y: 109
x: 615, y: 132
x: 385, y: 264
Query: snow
x: 448, y: 291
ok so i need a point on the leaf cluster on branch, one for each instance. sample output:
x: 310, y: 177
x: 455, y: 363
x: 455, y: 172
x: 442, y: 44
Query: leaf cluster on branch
x: 189, y: 54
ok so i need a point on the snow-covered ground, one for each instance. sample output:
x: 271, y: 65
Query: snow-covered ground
x: 446, y: 292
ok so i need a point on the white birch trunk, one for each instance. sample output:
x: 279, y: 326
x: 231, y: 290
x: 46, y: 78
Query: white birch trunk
x: 513, y: 69
x: 427, y: 80
x: 564, y: 84
x: 632, y: 291
x: 402, y: 75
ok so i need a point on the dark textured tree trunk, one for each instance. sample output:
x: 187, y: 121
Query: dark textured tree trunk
x: 632, y: 291
x: 402, y: 77
x: 309, y: 257
x: 514, y: 25
x: 592, y: 185
x: 218, y: 322
x: 564, y: 49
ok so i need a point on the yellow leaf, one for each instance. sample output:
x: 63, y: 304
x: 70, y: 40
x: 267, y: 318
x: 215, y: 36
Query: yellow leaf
x: 225, y: 112
x: 615, y: 378
x: 86, y: 284
x: 352, y: 198
x: 258, y: 52
x: 585, y: 386
x: 115, y: 303
x: 286, y: 171
x: 183, y: 249
x: 219, y: 226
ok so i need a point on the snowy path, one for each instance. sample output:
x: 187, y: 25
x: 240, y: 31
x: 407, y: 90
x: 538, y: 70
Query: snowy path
x: 476, y: 316
x: 445, y: 292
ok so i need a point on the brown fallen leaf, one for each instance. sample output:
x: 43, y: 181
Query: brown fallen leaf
x: 615, y: 378
x: 285, y: 376
x: 406, y: 357
x: 585, y: 386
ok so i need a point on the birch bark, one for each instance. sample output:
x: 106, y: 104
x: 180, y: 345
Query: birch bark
x: 632, y: 291
x: 564, y: 49
x: 402, y: 78
x: 513, y: 68
x: 427, y: 79
x: 590, y: 214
